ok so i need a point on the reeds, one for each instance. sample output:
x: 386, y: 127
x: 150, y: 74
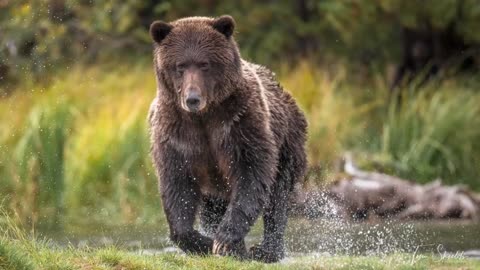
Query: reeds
x: 79, y: 149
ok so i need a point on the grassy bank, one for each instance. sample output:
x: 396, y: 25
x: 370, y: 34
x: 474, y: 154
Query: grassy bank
x: 76, y: 149
x: 19, y: 255
x: 23, y: 251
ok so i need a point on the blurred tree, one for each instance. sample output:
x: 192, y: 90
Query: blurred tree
x: 37, y: 35
x: 433, y: 37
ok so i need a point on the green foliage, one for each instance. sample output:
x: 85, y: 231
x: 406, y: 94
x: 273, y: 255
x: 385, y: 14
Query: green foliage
x: 334, y: 117
x: 36, y: 36
x: 434, y: 133
x: 13, y: 253
x: 30, y: 40
x: 80, y: 148
x: 11, y: 258
x: 439, y: 14
x: 115, y: 175
x: 35, y: 171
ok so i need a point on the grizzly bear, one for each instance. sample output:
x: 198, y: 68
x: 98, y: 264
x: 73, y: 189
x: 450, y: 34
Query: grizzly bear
x: 227, y: 140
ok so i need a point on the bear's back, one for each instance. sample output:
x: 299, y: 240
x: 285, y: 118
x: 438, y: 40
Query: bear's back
x: 280, y: 106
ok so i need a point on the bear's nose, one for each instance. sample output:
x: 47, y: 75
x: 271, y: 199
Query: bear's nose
x: 193, y: 101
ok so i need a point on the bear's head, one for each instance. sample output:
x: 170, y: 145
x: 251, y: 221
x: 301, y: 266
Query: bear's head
x: 197, y: 61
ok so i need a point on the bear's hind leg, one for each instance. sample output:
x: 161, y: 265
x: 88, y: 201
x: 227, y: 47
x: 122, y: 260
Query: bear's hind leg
x: 291, y: 169
x: 272, y: 248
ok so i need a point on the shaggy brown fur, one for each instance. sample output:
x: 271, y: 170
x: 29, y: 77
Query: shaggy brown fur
x: 226, y: 140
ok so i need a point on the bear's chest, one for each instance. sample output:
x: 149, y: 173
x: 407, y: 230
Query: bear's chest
x: 206, y: 154
x: 210, y: 178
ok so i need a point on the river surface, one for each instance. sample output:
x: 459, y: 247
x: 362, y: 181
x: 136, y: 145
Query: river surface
x: 303, y: 237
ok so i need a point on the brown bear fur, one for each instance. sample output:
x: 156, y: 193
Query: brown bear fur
x: 227, y: 141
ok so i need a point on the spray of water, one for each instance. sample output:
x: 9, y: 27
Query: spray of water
x: 333, y: 234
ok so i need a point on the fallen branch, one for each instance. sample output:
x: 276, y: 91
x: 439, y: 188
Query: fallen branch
x: 361, y: 195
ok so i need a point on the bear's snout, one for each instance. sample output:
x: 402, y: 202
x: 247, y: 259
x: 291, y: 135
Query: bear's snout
x: 194, y: 95
x: 193, y: 101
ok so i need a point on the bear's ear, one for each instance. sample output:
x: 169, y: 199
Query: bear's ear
x: 225, y: 25
x: 159, y: 30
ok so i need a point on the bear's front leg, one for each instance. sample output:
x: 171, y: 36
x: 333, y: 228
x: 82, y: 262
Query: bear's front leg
x: 180, y: 197
x: 251, y: 172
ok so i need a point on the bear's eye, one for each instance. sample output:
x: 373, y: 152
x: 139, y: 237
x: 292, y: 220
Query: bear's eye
x: 204, y: 66
x: 181, y: 68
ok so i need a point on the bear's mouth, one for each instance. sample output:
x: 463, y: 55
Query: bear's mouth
x: 194, y: 106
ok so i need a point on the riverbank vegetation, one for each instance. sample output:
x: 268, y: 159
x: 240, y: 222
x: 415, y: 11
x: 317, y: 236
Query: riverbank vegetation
x: 397, y: 87
x: 78, y: 147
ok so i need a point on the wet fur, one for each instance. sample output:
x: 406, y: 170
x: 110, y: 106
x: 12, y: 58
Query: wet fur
x: 237, y: 159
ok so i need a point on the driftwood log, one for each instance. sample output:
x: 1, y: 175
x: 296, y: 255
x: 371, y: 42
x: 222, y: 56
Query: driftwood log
x: 362, y: 195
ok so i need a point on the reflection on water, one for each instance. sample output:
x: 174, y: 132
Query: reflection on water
x: 303, y: 237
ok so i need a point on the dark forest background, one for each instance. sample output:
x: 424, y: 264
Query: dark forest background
x: 38, y: 35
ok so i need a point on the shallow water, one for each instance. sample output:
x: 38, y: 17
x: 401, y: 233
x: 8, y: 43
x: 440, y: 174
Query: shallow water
x: 303, y: 237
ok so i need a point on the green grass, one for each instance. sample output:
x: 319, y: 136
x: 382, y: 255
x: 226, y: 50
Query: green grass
x: 332, y: 113
x: 11, y: 257
x: 17, y: 255
x: 80, y: 146
x: 115, y: 174
x: 21, y: 250
x: 434, y: 134
x: 76, y: 148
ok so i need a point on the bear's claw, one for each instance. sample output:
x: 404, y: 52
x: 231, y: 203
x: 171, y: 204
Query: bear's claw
x: 237, y: 250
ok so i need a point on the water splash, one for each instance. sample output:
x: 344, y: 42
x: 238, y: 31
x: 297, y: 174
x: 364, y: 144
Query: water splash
x: 333, y: 234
